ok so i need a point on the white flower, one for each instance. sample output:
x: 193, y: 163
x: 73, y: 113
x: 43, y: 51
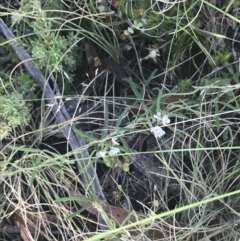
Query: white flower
x: 165, y: 120
x: 113, y: 151
x: 157, y: 131
x: 157, y: 116
x: 115, y: 141
x: 153, y: 53
x: 100, y: 154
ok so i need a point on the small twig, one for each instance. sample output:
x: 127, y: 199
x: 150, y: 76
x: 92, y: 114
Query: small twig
x: 10, y: 229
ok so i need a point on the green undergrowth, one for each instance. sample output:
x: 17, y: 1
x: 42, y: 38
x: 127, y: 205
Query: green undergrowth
x: 182, y: 59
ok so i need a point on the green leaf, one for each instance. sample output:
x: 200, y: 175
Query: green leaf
x: 130, y: 30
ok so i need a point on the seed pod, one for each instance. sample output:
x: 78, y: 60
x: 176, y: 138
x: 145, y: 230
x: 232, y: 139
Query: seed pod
x: 97, y: 62
x: 141, y: 12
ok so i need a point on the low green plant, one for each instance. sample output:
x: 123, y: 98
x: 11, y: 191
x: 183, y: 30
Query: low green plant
x: 51, y: 52
x: 222, y: 55
x: 13, y: 112
x: 130, y: 30
x: 16, y: 91
x: 185, y: 85
x: 52, y: 49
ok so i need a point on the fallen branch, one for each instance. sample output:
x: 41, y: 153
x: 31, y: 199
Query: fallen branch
x: 85, y: 168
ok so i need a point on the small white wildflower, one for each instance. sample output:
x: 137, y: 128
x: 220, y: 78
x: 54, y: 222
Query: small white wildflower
x: 165, y: 120
x: 157, y: 116
x: 100, y: 154
x: 113, y: 151
x: 115, y: 141
x: 157, y: 131
x: 153, y: 53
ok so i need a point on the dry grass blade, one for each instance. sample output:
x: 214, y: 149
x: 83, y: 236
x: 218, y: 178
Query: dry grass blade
x: 121, y: 217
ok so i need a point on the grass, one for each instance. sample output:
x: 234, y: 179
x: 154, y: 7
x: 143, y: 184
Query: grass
x: 181, y: 186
